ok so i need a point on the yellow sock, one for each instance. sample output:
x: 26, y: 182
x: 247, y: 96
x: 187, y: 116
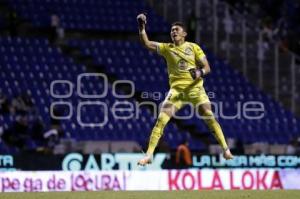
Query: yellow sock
x: 157, y: 131
x: 215, y: 127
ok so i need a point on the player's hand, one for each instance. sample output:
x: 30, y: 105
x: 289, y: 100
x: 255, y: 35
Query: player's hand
x: 142, y: 20
x: 196, y: 73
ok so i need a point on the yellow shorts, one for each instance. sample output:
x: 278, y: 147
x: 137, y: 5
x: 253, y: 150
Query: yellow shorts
x: 194, y: 96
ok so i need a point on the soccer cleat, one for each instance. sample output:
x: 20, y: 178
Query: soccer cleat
x: 227, y: 154
x: 145, y: 160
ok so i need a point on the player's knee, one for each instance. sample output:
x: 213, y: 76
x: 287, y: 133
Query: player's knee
x: 169, y: 112
x: 168, y: 109
x: 209, y: 118
x: 208, y: 114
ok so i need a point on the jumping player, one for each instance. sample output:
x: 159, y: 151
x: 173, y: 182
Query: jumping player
x: 187, y: 67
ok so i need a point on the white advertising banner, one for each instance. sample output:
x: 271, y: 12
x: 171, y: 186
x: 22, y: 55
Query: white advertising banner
x: 215, y: 179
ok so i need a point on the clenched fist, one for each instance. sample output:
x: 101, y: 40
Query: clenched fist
x: 142, y: 20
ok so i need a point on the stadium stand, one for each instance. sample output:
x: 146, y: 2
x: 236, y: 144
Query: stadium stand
x: 89, y: 14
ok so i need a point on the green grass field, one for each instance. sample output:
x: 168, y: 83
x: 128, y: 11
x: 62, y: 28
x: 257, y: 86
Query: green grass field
x: 158, y: 195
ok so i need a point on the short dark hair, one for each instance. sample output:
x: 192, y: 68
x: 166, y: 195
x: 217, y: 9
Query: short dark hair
x: 179, y: 23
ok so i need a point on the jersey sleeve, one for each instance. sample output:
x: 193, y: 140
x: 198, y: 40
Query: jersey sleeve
x: 199, y: 54
x: 161, y: 48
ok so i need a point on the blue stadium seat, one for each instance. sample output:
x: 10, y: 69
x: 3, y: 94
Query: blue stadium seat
x: 89, y: 14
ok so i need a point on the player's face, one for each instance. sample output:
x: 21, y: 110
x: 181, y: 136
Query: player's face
x: 177, y: 33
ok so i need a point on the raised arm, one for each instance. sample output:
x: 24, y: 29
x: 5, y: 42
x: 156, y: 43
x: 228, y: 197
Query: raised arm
x: 151, y: 45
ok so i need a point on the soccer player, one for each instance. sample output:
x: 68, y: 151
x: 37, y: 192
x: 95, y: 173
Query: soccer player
x: 187, y: 67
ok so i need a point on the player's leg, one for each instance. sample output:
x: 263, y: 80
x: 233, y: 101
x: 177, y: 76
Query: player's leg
x: 163, y: 118
x: 168, y: 109
x: 201, y: 101
x: 206, y: 112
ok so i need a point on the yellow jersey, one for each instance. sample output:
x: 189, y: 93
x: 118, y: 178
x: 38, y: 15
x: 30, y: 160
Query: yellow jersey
x: 179, y: 60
